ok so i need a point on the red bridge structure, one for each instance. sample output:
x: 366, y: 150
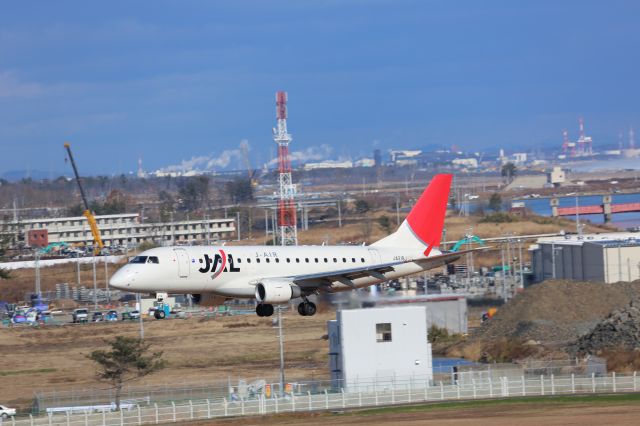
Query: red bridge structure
x: 606, y: 208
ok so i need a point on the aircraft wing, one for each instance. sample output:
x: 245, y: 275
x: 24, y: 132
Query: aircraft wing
x: 346, y: 276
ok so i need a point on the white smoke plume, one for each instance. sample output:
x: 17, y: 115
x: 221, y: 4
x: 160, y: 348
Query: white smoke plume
x: 208, y: 163
x: 313, y: 153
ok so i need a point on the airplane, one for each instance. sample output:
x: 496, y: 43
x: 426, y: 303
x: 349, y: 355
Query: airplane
x: 277, y: 274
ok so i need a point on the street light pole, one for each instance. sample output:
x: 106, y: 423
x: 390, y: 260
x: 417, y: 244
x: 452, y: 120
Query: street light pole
x: 106, y: 279
x: 139, y: 301
x: 95, y: 284
x: 281, y: 340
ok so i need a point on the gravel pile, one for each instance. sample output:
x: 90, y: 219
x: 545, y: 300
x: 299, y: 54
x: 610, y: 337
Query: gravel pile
x: 557, y: 311
x: 621, y: 329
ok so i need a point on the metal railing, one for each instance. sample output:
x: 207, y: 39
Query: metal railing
x: 416, y: 392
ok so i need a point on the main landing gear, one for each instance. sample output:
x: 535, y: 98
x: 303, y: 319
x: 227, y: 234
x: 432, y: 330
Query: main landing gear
x: 264, y: 310
x: 306, y: 308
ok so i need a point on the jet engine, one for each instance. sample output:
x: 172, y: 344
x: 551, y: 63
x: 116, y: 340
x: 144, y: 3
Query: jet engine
x: 277, y: 291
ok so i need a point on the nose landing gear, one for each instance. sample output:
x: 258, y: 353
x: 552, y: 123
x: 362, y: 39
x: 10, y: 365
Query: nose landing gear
x: 264, y: 310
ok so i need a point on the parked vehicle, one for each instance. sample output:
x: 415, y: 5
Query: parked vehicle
x: 80, y: 315
x: 112, y: 316
x: 131, y: 315
x: 97, y: 316
x: 6, y: 412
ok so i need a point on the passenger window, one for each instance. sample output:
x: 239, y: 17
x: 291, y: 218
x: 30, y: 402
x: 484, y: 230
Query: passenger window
x: 248, y: 260
x: 353, y: 259
x: 325, y: 260
x: 297, y: 260
x: 288, y: 260
x: 335, y: 260
x: 316, y: 259
x: 306, y: 259
x: 277, y: 260
x: 268, y: 260
x: 362, y: 259
x: 344, y: 260
x: 239, y: 260
x: 258, y: 260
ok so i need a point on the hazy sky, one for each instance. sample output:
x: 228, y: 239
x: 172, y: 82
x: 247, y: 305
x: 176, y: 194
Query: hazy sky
x: 173, y: 80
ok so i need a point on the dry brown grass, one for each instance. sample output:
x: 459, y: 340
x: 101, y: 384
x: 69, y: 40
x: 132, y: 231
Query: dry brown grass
x: 621, y: 360
x: 55, y: 357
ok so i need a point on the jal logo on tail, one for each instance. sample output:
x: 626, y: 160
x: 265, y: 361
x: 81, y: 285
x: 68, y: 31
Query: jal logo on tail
x: 218, y: 265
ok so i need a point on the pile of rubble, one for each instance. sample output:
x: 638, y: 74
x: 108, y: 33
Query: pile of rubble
x: 619, y: 330
x: 557, y: 312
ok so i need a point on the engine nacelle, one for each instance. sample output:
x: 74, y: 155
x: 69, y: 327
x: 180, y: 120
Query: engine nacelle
x: 277, y: 291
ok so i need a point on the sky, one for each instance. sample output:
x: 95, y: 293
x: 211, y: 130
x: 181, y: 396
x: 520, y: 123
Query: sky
x: 181, y: 82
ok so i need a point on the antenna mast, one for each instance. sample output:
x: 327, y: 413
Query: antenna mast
x: 286, y: 204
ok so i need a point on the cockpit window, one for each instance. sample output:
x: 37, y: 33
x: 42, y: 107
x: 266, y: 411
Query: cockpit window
x: 153, y: 259
x: 139, y: 259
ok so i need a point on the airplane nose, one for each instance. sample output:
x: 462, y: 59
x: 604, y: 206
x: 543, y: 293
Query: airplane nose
x: 122, y: 279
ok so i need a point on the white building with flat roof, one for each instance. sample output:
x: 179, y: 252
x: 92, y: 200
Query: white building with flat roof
x: 379, y: 348
x: 122, y: 229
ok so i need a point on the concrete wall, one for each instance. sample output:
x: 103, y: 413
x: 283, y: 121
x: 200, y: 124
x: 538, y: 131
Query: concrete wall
x: 450, y: 314
x: 622, y: 263
x: 361, y: 360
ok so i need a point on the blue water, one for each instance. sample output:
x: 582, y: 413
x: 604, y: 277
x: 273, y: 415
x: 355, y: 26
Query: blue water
x: 542, y: 207
x: 445, y: 365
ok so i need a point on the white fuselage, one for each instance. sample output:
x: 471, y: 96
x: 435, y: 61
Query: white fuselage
x: 234, y: 271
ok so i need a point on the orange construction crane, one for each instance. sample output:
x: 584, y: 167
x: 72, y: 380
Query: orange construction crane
x: 98, y: 245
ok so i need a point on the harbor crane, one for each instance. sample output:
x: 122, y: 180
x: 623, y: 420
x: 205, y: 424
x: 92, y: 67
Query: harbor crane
x: 98, y: 245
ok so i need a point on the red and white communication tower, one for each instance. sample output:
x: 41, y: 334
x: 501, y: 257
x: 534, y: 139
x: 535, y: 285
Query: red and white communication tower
x: 286, y: 204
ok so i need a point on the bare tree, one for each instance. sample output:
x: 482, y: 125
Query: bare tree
x: 127, y: 360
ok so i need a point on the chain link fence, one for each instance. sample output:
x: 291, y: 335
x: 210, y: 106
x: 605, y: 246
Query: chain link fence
x: 405, y: 391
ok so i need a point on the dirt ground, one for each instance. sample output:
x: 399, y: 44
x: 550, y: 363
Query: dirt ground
x: 521, y: 414
x: 198, y: 351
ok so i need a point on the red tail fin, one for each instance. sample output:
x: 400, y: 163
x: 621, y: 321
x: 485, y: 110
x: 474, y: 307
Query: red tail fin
x: 426, y: 219
x: 423, y: 227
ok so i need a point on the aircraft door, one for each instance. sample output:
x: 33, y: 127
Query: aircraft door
x: 183, y: 262
x: 375, y: 256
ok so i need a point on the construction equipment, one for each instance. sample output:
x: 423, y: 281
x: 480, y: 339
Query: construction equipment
x: 98, y: 245
x: 244, y: 149
x: 468, y: 239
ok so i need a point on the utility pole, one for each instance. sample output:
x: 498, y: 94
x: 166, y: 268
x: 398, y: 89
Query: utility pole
x: 139, y: 302
x: 504, y: 278
x: 95, y: 283
x: 520, y: 257
x: 106, y: 279
x: 339, y: 213
x: 577, y: 218
x: 78, y: 269
x: 238, y: 224
x: 38, y: 291
x: 281, y: 339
